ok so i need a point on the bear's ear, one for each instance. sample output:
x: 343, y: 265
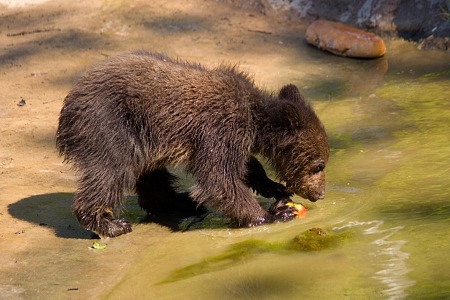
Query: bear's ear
x: 286, y: 115
x: 288, y: 111
x: 291, y: 93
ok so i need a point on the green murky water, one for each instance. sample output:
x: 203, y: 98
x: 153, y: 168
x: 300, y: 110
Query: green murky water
x: 386, y: 215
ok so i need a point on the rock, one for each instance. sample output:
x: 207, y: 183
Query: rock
x: 344, y: 40
x: 435, y: 43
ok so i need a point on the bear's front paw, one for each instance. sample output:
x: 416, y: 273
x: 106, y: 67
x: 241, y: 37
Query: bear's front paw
x: 285, y: 210
x: 281, y: 211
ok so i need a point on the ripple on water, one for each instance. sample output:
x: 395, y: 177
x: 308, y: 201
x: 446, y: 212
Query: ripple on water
x: 393, y: 270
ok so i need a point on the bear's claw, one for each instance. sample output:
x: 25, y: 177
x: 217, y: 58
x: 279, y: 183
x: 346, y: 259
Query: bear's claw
x: 113, y: 228
x: 281, y: 211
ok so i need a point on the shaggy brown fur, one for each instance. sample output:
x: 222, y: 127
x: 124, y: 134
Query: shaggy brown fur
x: 132, y: 115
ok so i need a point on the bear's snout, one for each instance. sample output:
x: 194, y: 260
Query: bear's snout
x: 313, y: 187
x: 313, y: 196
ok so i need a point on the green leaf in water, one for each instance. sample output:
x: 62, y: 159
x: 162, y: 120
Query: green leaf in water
x: 97, y: 246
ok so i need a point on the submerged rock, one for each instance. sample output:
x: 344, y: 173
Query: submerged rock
x: 316, y: 239
x: 344, y: 40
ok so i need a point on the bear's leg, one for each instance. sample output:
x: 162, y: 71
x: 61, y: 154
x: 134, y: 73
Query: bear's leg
x: 256, y: 178
x: 98, y: 198
x: 233, y: 199
x: 220, y: 186
x: 156, y: 194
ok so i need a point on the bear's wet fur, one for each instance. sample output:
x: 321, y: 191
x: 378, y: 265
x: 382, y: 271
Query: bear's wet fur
x: 130, y: 116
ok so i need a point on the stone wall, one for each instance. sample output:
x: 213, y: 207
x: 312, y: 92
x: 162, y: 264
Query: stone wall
x: 424, y: 21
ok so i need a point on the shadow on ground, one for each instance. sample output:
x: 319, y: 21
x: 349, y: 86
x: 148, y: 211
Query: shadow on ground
x: 52, y: 211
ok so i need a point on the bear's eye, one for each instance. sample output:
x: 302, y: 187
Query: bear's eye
x: 319, y: 166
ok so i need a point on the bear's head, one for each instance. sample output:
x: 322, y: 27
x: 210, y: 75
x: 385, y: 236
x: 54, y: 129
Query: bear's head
x: 299, y: 144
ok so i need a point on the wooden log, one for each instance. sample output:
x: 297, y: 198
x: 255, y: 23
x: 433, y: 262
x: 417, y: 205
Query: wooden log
x: 344, y: 40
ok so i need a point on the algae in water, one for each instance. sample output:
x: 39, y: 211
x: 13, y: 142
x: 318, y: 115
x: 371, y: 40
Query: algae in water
x: 314, y: 239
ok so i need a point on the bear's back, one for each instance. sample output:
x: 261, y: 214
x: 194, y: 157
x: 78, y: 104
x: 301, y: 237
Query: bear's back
x: 160, y: 104
x: 158, y: 82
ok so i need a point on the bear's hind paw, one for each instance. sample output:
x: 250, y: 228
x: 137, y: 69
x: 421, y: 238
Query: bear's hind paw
x: 114, y: 228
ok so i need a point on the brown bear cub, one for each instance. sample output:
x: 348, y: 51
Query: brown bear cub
x: 132, y: 115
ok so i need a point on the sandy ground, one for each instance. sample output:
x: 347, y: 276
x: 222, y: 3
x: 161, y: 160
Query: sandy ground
x: 43, y: 48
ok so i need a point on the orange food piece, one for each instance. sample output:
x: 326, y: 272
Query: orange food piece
x: 299, y: 210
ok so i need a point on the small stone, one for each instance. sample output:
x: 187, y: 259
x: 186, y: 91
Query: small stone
x: 22, y: 102
x: 344, y: 40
